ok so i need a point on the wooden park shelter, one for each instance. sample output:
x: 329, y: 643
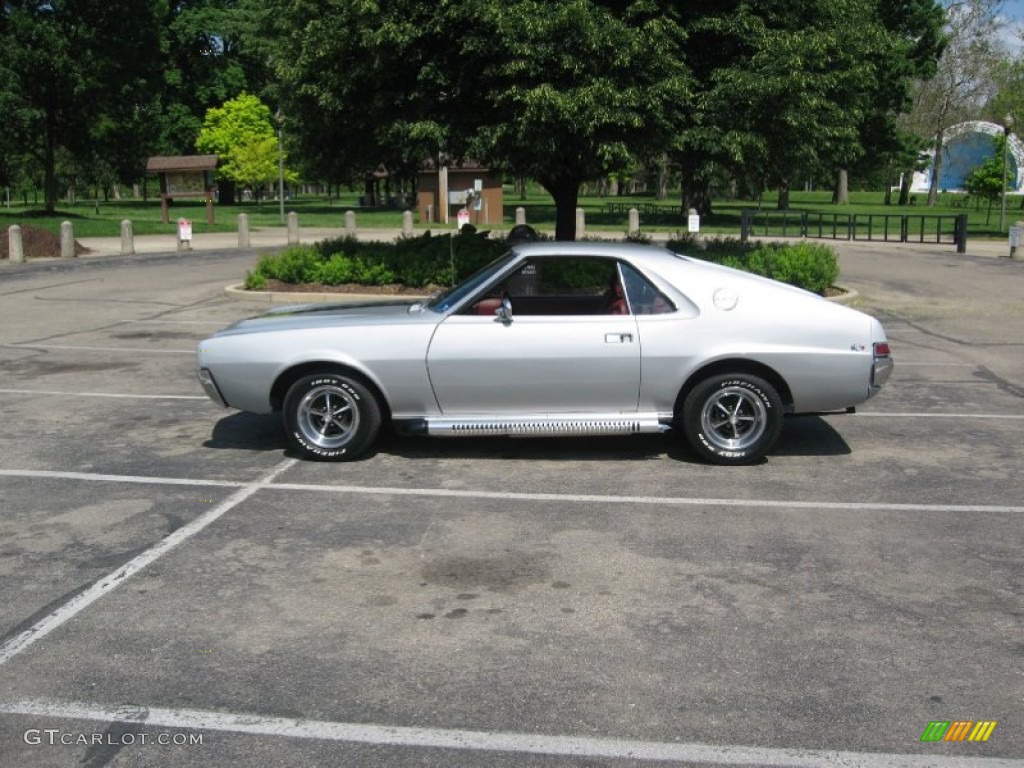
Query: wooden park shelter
x: 443, y: 190
x: 185, y: 176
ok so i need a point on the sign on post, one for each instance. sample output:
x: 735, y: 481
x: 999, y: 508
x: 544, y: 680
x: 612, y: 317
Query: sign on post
x: 463, y: 217
x: 693, y: 223
x: 185, y: 230
x: 1016, y: 235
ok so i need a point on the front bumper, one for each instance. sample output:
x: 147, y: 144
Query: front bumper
x: 210, y: 386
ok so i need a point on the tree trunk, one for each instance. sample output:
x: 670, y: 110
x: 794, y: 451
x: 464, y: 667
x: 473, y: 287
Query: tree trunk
x: 565, y: 192
x: 49, y: 163
x: 662, y: 193
x: 783, y: 196
x: 226, y: 191
x: 842, y: 193
x: 696, y: 196
x: 905, y: 187
x: 933, y: 186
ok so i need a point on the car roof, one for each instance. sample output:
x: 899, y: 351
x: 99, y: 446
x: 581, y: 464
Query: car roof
x: 629, y: 251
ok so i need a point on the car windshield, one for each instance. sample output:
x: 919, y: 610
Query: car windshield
x: 448, y: 299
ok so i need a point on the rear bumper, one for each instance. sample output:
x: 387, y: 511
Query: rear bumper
x: 881, y: 370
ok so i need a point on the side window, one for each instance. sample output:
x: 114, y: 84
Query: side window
x: 644, y: 298
x: 560, y: 286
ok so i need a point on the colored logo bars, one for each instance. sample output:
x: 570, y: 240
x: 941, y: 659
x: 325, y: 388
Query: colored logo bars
x: 958, y: 730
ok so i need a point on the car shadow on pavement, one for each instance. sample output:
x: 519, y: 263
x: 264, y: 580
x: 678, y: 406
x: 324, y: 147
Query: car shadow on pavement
x: 243, y: 431
x: 631, y: 447
x: 805, y: 436
x: 810, y: 436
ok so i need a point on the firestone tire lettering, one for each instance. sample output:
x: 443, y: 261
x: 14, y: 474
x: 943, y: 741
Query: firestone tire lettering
x: 732, y: 419
x: 351, y: 438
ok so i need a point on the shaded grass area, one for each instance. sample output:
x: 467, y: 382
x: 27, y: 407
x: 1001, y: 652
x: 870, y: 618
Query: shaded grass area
x: 146, y: 217
x: 603, y: 214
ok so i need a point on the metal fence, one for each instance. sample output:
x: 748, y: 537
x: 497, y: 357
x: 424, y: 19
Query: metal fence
x: 902, y: 228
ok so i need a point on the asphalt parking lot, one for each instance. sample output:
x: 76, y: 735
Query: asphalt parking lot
x: 180, y: 591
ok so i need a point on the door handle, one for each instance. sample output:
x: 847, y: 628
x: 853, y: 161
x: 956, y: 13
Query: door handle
x: 618, y: 338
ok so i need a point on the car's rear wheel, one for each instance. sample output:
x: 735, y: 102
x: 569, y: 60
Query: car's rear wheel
x: 331, y: 417
x: 733, y: 418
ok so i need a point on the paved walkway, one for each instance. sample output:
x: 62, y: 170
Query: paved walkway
x: 277, y: 237
x: 272, y: 237
x: 268, y: 237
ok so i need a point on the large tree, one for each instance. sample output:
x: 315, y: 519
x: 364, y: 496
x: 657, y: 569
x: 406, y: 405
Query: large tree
x: 71, y: 67
x: 793, y: 89
x: 563, y: 92
x: 559, y: 91
x: 210, y: 58
x: 241, y: 133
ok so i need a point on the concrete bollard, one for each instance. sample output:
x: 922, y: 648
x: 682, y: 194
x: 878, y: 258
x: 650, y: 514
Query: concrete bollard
x: 15, y: 245
x: 293, y: 228
x: 1019, y: 226
x: 67, y: 240
x: 634, y: 222
x: 243, y: 230
x: 581, y: 223
x: 520, y: 215
x: 407, y: 224
x: 127, y: 238
x: 350, y: 223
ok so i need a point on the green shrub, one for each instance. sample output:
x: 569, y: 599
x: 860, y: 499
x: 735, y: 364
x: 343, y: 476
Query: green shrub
x: 417, y: 262
x: 292, y: 265
x: 428, y: 261
x: 811, y: 266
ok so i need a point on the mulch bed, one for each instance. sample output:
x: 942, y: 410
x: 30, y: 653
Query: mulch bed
x: 38, y: 244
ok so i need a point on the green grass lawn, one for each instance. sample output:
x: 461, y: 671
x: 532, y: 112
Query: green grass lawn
x: 104, y: 219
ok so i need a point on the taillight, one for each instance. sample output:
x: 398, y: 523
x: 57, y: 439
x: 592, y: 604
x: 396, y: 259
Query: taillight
x: 882, y: 349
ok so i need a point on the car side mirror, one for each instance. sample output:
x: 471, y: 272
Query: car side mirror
x: 504, y: 312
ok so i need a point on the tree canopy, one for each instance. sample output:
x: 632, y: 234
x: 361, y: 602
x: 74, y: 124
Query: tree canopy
x: 752, y: 92
x: 67, y: 65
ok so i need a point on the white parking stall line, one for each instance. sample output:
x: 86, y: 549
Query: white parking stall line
x: 139, y: 479
x: 660, y: 500
x: 678, y: 501
x: 934, y: 415
x: 83, y: 600
x: 133, y: 350
x: 100, y: 394
x: 903, y: 363
x: 488, y: 741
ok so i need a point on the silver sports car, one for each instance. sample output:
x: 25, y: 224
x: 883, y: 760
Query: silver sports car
x: 557, y: 339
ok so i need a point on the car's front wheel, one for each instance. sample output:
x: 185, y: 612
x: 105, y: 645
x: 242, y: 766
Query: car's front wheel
x: 733, y: 418
x: 330, y: 416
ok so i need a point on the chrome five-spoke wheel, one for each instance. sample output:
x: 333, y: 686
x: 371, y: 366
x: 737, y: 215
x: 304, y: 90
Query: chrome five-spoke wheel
x: 328, y: 416
x: 732, y: 418
x: 331, y: 416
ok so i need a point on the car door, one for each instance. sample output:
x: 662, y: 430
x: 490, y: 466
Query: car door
x: 562, y: 349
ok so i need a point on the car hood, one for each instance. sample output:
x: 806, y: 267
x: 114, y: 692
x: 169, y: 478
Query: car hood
x: 327, y: 315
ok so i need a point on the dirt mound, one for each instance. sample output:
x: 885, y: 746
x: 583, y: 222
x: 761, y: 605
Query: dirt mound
x: 37, y: 244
